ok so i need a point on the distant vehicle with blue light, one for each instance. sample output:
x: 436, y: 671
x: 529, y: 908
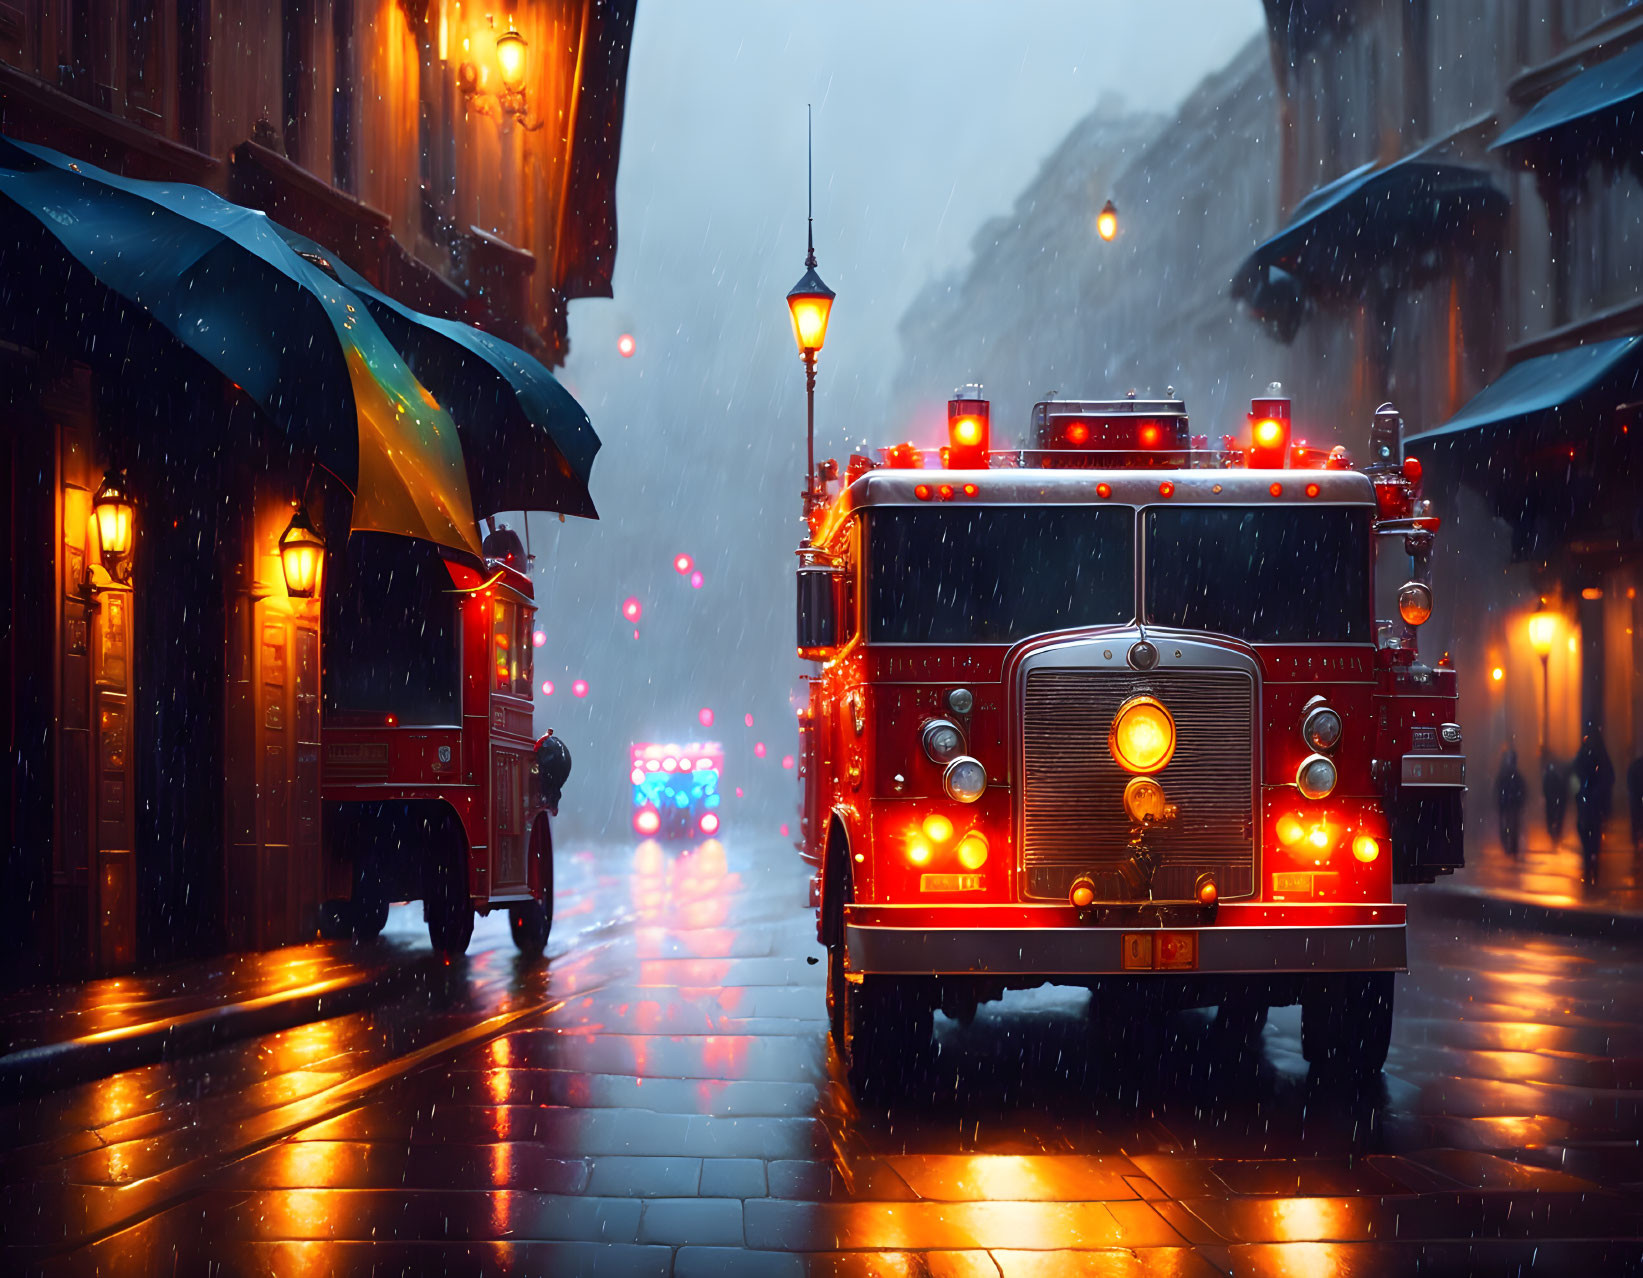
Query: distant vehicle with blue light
x: 676, y: 789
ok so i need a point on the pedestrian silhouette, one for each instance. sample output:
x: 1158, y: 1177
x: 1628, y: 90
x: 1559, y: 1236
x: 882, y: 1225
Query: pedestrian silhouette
x: 1634, y: 796
x: 1554, y: 786
x: 1595, y: 797
x: 1511, y: 793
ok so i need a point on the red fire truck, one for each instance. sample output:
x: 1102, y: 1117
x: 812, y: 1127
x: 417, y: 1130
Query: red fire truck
x: 435, y: 786
x: 1113, y: 710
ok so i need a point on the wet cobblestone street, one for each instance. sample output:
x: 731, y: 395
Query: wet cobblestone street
x: 660, y: 1098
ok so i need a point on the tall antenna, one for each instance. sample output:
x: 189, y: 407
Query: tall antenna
x: 809, y: 191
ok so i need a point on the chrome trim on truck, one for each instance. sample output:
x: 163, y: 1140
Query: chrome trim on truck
x: 1434, y: 770
x: 1085, y: 951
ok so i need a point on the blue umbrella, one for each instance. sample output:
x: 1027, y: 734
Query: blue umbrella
x: 528, y: 443
x: 222, y: 280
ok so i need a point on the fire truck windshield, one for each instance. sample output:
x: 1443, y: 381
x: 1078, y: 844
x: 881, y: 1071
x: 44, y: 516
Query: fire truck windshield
x: 996, y: 574
x: 1266, y: 574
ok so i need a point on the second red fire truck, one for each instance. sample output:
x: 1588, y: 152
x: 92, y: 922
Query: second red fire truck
x: 1114, y: 709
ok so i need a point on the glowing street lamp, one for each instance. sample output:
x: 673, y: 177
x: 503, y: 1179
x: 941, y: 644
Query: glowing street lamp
x: 1542, y: 634
x: 1106, y: 222
x: 302, y: 551
x: 810, y: 303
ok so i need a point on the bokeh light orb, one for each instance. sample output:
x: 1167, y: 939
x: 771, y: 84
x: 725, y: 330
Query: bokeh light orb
x: 787, y: 761
x: 579, y: 688
x: 547, y: 687
x: 748, y: 720
x: 696, y: 580
x: 632, y: 609
x: 705, y: 717
x: 538, y: 638
x: 625, y: 346
x: 683, y: 564
x: 758, y: 749
x: 784, y: 831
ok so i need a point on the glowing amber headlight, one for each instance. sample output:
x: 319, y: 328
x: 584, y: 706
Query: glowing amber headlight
x: 972, y: 850
x: 1143, y: 735
x: 1366, y: 848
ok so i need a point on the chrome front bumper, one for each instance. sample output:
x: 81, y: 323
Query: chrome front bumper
x: 1084, y: 951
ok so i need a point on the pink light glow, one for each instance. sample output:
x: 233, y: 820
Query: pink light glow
x: 784, y: 831
x: 696, y: 580
x: 547, y: 687
x: 705, y: 716
x: 579, y: 688
x: 632, y: 609
x: 538, y: 638
x: 738, y: 792
x: 625, y: 346
x: 748, y: 720
x: 758, y: 749
x: 787, y: 761
x: 683, y: 564
x: 710, y: 823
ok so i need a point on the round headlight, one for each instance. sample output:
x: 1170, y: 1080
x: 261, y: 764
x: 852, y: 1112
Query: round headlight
x: 961, y: 701
x: 1414, y: 602
x: 965, y: 779
x: 1316, y: 776
x: 943, y: 741
x: 1321, y: 728
x: 1142, y: 737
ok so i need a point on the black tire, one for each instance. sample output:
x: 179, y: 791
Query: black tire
x: 837, y: 992
x: 336, y: 918
x: 529, y: 922
x: 1346, y: 1023
x: 1236, y: 1032
x: 888, y: 1043
x: 447, y: 906
x: 370, y: 916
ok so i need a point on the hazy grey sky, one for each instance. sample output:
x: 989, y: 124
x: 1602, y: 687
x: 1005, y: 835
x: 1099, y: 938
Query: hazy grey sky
x: 930, y: 118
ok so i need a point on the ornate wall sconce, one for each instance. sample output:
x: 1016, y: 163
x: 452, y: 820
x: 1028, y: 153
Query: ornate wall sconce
x: 510, y: 102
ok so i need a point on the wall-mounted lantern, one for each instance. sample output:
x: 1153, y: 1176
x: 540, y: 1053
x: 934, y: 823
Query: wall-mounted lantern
x: 510, y: 57
x: 115, y: 515
x: 302, y: 551
x: 512, y: 51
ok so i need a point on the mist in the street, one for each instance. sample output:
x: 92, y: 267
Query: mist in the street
x: 928, y: 120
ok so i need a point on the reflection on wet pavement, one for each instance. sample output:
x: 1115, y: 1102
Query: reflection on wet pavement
x: 661, y: 1099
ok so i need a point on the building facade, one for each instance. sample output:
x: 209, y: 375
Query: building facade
x: 1461, y: 233
x: 162, y: 713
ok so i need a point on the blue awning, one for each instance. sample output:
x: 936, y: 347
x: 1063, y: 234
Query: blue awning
x: 1614, y: 85
x: 1361, y: 218
x: 1548, y: 384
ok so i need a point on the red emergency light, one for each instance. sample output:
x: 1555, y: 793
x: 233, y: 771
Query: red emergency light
x: 969, y: 428
x: 1269, y: 431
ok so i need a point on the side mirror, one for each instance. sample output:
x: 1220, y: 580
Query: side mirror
x: 818, y: 614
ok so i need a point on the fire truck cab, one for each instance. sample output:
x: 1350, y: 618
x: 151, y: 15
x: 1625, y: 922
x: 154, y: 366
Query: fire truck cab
x: 1114, y: 710
x: 434, y: 783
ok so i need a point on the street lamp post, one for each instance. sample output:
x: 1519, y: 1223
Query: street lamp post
x: 1542, y: 631
x: 810, y: 303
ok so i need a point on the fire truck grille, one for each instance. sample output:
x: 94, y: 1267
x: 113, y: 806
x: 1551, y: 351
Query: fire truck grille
x: 1073, y: 792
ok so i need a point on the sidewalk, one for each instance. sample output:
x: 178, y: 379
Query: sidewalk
x: 1542, y: 889
x: 51, y: 1036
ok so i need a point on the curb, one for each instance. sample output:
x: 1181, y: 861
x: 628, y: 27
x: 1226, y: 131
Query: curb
x: 1523, y: 912
x: 49, y: 1066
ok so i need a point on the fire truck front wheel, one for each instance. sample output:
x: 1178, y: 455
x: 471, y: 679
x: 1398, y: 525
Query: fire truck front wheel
x: 887, y: 1041
x: 1346, y: 1023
